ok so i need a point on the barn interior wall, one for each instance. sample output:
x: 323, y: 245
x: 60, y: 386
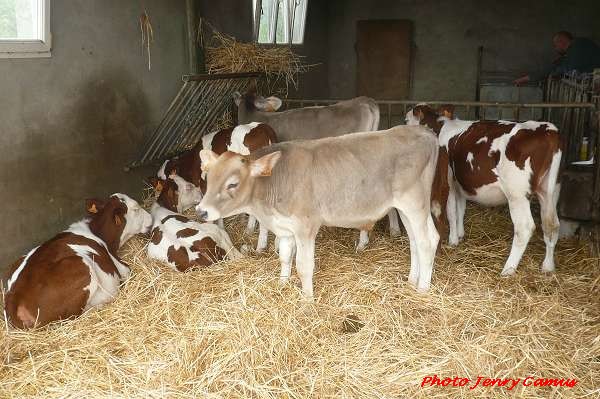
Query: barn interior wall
x: 516, y: 35
x: 70, y: 123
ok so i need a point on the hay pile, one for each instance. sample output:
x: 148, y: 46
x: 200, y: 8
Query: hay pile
x: 231, y: 331
x: 280, y: 64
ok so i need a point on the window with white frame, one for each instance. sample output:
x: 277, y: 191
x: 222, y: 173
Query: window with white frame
x: 279, y: 21
x: 24, y: 28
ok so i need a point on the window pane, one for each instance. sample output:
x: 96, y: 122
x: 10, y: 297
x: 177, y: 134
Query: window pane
x: 265, y: 20
x: 19, y: 19
x: 299, y: 19
x: 281, y: 22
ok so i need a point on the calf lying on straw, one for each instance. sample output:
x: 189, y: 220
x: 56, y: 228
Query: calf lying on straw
x: 78, y: 268
x: 181, y: 243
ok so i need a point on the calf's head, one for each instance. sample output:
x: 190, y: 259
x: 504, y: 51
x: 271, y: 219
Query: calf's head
x: 250, y: 102
x: 424, y: 114
x: 230, y: 182
x: 175, y: 193
x: 117, y: 219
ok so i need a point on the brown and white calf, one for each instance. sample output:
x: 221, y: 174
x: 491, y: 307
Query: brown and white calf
x: 498, y: 162
x: 181, y: 243
x: 360, y: 114
x: 78, y: 268
x: 349, y: 181
x: 242, y: 139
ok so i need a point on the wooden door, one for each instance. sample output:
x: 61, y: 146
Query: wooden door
x: 383, y: 51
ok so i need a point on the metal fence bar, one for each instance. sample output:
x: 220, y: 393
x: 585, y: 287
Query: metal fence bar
x: 202, y: 99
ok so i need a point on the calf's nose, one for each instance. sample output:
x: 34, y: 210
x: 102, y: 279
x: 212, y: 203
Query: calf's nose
x: 202, y: 214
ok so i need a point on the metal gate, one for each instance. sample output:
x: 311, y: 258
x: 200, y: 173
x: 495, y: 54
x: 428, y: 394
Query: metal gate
x: 200, y: 102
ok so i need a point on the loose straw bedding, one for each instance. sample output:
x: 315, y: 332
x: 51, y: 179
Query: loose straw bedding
x: 232, y: 331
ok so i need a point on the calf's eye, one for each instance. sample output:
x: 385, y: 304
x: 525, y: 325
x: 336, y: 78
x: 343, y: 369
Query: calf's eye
x: 231, y: 186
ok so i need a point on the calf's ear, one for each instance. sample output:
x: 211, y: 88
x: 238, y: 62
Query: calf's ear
x: 237, y: 98
x: 207, y: 158
x: 446, y: 110
x: 269, y: 104
x: 119, y: 215
x: 94, y: 205
x: 264, y: 165
x: 156, y: 183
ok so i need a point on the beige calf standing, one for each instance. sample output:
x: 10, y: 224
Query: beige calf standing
x: 350, y: 181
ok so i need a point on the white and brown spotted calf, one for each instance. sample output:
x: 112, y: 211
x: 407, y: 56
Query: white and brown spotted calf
x: 181, y: 243
x: 498, y: 162
x: 78, y: 268
x: 242, y: 139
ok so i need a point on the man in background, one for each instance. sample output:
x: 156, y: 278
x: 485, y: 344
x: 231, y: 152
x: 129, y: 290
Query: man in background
x: 575, y: 54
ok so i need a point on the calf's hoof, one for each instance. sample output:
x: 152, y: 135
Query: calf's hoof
x: 413, y: 281
x: 395, y: 233
x: 548, y: 267
x: 508, y: 271
x: 245, y: 249
x: 360, y: 247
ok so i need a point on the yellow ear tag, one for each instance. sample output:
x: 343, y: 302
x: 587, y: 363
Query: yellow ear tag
x: 93, y: 209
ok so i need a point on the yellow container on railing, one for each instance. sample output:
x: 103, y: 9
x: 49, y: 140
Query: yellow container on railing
x: 583, y: 149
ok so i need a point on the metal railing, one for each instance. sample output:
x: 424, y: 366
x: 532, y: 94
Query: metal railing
x: 198, y: 105
x: 570, y: 124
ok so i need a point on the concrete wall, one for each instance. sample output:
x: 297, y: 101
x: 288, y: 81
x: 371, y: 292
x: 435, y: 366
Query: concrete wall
x: 70, y: 123
x: 516, y: 35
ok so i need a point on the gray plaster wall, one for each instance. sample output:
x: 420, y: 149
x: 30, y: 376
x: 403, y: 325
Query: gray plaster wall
x: 516, y: 35
x: 70, y: 123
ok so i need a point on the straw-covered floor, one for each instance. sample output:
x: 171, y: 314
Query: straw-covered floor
x: 231, y: 331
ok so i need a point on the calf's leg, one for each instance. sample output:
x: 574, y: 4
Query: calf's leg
x: 394, y: 225
x: 461, y: 205
x: 305, y: 260
x: 520, y: 213
x: 263, y: 238
x: 251, y: 225
x: 413, y: 275
x: 363, y: 240
x: 286, y: 251
x: 452, y: 218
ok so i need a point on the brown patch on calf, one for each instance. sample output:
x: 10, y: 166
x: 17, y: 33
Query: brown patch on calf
x: 179, y: 218
x: 156, y: 237
x: 539, y: 146
x: 179, y: 257
x: 480, y: 173
x: 52, y: 284
x: 428, y: 117
x: 439, y: 193
x: 108, y: 224
x: 261, y: 136
x: 208, y: 250
x: 169, y: 195
x: 187, y: 232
